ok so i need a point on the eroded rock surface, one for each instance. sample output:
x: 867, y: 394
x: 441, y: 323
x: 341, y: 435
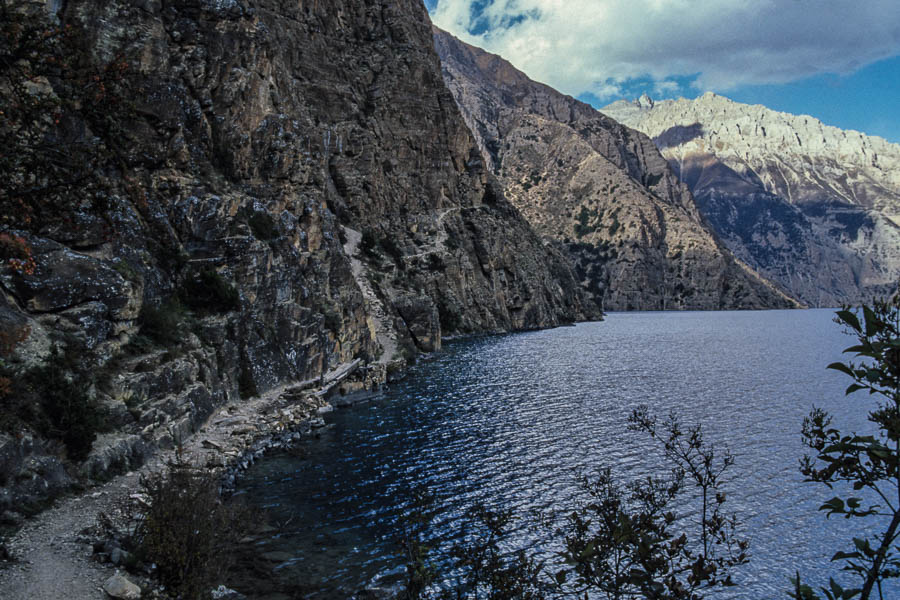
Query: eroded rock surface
x: 812, y: 207
x: 599, y: 190
x: 258, y: 133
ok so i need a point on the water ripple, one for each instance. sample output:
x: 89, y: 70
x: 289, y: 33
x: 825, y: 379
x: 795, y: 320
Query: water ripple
x: 513, y: 420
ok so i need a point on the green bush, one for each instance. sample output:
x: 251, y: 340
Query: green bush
x: 622, y: 541
x: 862, y: 462
x: 368, y: 242
x: 436, y: 263
x: 481, y: 564
x: 392, y: 249
x: 53, y: 400
x: 246, y: 384
x: 652, y: 179
x: 584, y: 225
x: 332, y: 319
x: 127, y: 271
x: 450, y: 320
x: 263, y: 226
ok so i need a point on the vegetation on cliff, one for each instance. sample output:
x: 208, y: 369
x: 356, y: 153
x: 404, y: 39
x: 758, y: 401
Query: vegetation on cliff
x: 63, y: 123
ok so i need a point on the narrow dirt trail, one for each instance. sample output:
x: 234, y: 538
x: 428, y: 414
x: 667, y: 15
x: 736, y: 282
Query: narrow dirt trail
x: 439, y: 244
x: 384, y: 333
x: 54, y: 559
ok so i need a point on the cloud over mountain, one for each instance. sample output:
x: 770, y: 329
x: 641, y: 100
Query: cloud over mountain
x: 596, y: 46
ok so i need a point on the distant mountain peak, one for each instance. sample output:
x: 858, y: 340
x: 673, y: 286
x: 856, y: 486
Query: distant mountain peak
x: 812, y: 206
x: 645, y: 101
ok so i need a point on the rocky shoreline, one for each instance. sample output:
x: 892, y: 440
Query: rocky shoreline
x: 53, y: 553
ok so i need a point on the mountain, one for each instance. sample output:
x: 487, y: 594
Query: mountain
x: 812, y: 207
x: 246, y: 197
x: 598, y: 189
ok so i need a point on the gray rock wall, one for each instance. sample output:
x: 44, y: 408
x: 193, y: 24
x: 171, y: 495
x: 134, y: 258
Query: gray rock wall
x: 599, y: 190
x: 259, y: 134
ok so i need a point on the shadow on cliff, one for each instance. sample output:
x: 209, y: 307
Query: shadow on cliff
x: 677, y: 135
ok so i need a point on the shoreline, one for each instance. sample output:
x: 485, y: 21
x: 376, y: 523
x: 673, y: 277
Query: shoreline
x: 52, y: 552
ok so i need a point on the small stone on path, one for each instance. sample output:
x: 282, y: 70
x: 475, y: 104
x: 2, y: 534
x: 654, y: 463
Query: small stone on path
x: 118, y: 586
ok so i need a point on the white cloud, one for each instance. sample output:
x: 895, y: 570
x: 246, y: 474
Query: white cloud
x: 665, y: 88
x: 592, y: 45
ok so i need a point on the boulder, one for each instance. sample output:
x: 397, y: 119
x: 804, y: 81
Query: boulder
x: 225, y: 593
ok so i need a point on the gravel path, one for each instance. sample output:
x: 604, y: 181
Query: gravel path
x: 384, y: 333
x: 54, y: 559
x: 53, y: 552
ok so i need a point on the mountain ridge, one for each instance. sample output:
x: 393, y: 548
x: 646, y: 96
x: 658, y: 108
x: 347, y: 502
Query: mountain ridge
x: 809, y: 205
x: 599, y: 189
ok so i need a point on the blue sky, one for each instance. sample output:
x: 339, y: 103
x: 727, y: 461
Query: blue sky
x: 837, y: 60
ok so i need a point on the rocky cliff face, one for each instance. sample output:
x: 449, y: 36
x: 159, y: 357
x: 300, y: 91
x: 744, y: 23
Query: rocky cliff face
x: 600, y: 190
x: 812, y: 207
x: 296, y: 190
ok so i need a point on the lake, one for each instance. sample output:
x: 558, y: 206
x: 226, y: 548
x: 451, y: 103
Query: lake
x: 512, y: 420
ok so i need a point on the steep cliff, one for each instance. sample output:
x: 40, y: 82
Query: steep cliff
x: 266, y: 190
x: 813, y: 207
x: 600, y: 190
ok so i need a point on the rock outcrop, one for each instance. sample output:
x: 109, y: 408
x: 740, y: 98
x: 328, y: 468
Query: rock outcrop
x: 812, y: 207
x: 597, y: 189
x: 260, y: 138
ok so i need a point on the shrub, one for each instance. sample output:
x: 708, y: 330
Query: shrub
x: 388, y: 244
x: 186, y: 529
x: 53, y: 400
x: 652, y: 179
x: 436, y: 263
x: 414, y: 526
x: 863, y: 462
x: 332, y: 319
x: 482, y: 565
x: 367, y: 243
x: 9, y: 339
x: 246, y: 384
x: 163, y: 323
x: 622, y: 542
x: 449, y: 319
x: 16, y: 252
x: 126, y: 270
x: 584, y: 225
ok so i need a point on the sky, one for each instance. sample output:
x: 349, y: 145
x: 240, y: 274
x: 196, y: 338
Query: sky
x: 837, y: 60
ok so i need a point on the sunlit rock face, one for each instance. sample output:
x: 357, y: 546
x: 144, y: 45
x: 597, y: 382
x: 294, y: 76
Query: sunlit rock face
x: 812, y: 207
x: 597, y: 189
